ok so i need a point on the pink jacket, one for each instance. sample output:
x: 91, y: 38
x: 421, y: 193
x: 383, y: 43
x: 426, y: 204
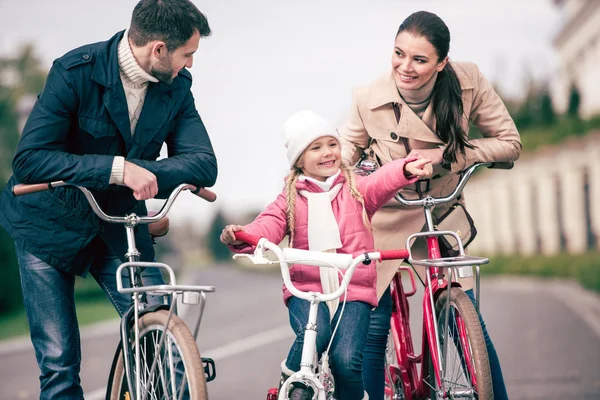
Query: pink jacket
x: 377, y: 189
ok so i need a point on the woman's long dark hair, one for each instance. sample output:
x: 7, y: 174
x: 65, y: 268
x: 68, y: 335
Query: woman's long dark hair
x: 447, y: 99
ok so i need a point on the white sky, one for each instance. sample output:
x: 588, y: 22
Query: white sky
x: 268, y: 59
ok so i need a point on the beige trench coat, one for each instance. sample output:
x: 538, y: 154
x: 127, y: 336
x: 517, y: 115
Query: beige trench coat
x: 372, y: 117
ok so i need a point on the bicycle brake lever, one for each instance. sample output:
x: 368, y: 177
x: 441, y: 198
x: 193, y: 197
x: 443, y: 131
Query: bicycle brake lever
x: 256, y: 258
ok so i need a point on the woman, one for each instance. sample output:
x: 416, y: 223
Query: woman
x: 423, y: 106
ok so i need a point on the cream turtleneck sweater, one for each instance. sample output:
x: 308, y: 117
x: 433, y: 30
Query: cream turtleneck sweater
x: 418, y: 99
x: 135, y: 84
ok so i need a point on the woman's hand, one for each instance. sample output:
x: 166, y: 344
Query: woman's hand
x: 421, y: 168
x: 435, y: 155
x: 228, y: 235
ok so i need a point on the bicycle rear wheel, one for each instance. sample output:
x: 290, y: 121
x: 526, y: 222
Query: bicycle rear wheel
x: 467, y: 369
x: 179, y: 372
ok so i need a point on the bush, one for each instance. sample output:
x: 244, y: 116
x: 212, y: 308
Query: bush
x: 585, y: 268
x: 11, y: 297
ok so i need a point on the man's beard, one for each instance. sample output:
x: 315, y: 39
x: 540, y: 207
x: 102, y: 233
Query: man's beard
x: 163, y: 71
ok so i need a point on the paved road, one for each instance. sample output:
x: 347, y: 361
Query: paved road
x: 546, y: 333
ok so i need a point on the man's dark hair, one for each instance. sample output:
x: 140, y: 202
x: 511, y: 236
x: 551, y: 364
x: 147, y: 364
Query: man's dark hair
x: 171, y: 21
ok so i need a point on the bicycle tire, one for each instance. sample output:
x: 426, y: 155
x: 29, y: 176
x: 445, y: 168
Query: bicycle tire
x: 394, y: 387
x: 180, y: 340
x: 300, y: 393
x: 462, y: 309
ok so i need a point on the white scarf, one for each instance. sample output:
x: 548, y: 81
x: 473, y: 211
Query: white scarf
x: 324, y: 235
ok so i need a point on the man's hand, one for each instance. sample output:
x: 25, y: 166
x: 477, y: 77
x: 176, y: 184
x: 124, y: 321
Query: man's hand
x: 420, y: 168
x: 228, y: 235
x: 140, y: 180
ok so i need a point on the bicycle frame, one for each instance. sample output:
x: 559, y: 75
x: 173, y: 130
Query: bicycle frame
x: 414, y: 385
x: 138, y: 291
x: 191, y: 294
x: 307, y: 374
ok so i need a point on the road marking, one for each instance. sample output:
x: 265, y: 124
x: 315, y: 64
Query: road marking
x: 250, y: 343
x: 96, y: 394
x: 229, y: 350
x: 583, y: 303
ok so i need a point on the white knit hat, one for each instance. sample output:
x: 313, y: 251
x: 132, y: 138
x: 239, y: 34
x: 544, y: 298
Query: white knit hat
x: 301, y: 129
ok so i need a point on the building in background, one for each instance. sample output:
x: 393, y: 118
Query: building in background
x: 578, y: 49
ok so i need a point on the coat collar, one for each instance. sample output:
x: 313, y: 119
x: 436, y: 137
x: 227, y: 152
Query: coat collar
x: 106, y: 68
x: 383, y: 90
x: 157, y: 103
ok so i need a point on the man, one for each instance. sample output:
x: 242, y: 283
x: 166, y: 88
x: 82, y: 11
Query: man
x: 100, y: 122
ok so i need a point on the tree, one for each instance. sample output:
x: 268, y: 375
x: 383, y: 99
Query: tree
x: 219, y: 251
x: 574, y: 102
x: 20, y: 76
x: 547, y: 113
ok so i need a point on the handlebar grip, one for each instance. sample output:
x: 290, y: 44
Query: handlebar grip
x: 247, y: 238
x: 206, y: 194
x: 502, y: 165
x: 22, y: 188
x: 393, y: 254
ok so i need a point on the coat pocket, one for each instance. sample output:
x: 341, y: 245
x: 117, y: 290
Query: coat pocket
x: 97, y: 136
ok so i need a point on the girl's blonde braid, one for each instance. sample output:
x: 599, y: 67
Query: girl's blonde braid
x: 290, y: 194
x: 349, y: 175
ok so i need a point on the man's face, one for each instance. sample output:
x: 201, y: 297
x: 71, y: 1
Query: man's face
x: 169, y: 63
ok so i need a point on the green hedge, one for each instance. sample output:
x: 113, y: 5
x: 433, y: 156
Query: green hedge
x: 533, y: 138
x: 585, y: 268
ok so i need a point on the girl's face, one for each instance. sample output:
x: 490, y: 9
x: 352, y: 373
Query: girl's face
x: 414, y: 61
x: 321, y: 159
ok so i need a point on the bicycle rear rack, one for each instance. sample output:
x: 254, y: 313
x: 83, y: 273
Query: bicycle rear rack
x: 458, y: 261
x: 462, y: 260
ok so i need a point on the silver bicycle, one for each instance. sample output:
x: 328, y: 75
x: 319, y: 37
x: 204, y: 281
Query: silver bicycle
x: 157, y: 357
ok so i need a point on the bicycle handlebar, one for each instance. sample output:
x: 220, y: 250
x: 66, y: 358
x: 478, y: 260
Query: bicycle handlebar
x: 247, y: 238
x: 208, y: 195
x: 316, y: 258
x: 464, y: 177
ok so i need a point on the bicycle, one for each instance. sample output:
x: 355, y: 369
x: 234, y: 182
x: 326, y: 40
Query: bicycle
x: 314, y: 380
x: 453, y: 360
x: 154, y: 340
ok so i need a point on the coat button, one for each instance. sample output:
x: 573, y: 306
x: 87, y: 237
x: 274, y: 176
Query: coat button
x: 393, y: 135
x: 85, y: 56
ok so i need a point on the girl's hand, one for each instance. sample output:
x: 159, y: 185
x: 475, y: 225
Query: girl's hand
x: 421, y: 168
x: 228, y: 235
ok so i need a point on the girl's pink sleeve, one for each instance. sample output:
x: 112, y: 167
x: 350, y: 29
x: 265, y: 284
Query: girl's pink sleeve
x: 270, y: 224
x: 383, y: 184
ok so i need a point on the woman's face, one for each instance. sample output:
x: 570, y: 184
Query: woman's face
x: 414, y: 61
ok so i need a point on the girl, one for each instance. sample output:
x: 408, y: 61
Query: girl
x: 324, y: 207
x: 423, y: 104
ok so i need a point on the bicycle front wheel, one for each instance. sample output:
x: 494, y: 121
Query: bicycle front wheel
x: 178, y: 371
x: 465, y: 366
x: 394, y: 387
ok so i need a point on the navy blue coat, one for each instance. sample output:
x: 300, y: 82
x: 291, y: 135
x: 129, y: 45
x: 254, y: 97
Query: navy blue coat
x: 78, y: 124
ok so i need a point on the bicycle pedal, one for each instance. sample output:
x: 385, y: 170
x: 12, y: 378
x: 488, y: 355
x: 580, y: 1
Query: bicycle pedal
x: 272, y: 394
x: 209, y: 369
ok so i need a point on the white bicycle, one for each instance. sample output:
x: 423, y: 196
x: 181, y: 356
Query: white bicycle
x: 314, y: 380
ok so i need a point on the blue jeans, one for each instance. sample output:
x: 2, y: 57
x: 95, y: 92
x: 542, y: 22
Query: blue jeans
x: 374, y: 353
x: 48, y: 295
x: 346, y: 349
